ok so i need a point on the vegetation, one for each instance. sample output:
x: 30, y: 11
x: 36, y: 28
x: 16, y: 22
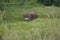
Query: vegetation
x: 45, y: 27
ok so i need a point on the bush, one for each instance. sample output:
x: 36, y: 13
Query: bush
x: 50, y: 2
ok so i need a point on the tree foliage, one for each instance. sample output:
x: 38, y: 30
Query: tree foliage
x: 29, y: 2
x: 50, y: 2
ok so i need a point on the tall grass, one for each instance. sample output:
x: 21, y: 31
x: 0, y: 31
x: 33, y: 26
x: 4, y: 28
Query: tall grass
x: 14, y: 13
x: 45, y: 27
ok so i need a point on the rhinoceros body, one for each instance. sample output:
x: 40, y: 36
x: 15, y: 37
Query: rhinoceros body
x: 30, y: 16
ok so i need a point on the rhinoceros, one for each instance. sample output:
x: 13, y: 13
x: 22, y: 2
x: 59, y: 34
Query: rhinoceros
x: 30, y: 16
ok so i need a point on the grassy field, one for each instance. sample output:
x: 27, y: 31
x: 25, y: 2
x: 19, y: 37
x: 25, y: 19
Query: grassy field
x: 45, y: 27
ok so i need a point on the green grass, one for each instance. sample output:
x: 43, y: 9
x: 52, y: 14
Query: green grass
x: 14, y: 13
x: 38, y: 29
x: 45, y: 27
